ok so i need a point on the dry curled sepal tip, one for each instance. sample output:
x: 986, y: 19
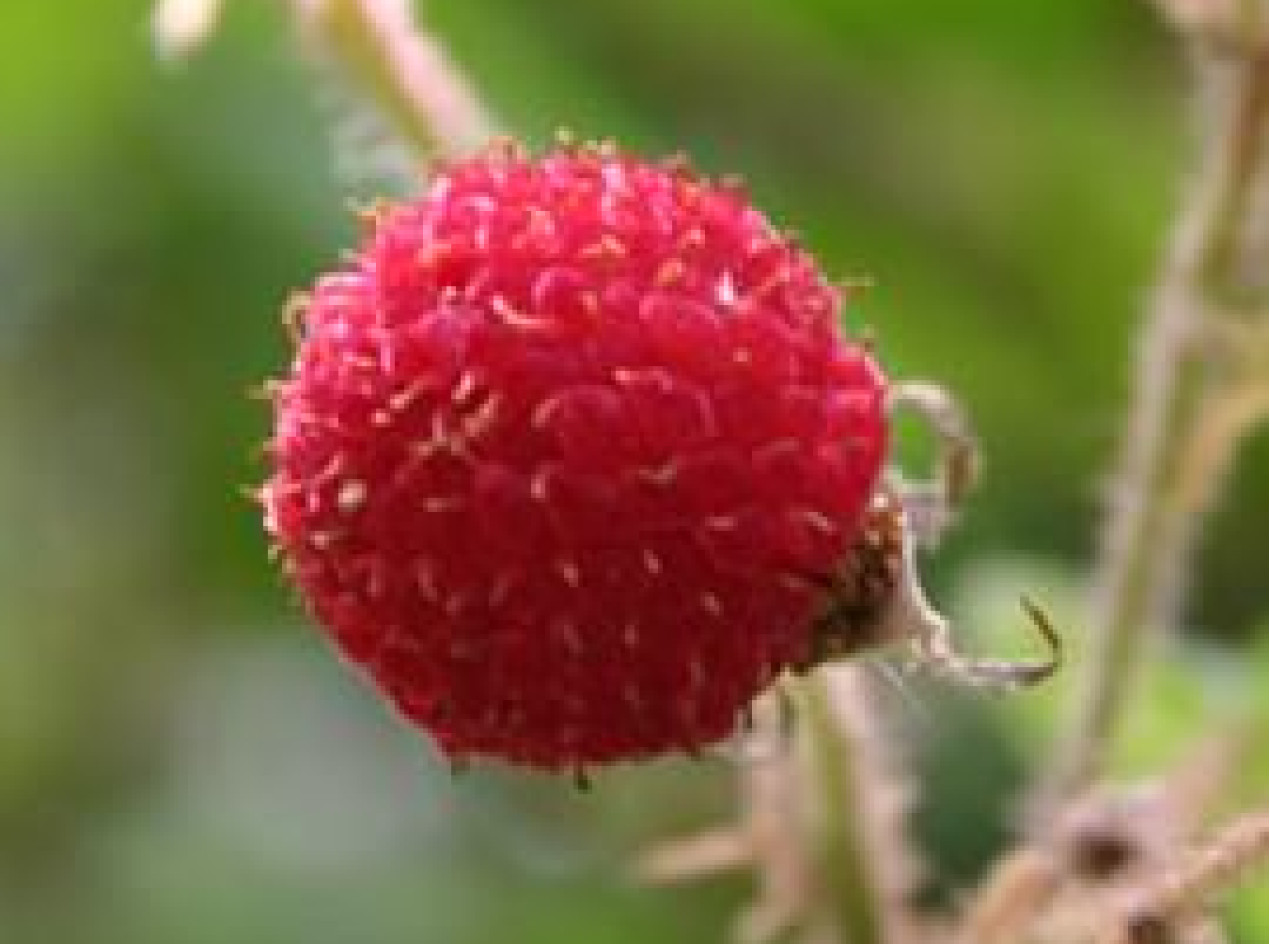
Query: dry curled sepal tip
x: 910, y: 617
x: 1027, y: 674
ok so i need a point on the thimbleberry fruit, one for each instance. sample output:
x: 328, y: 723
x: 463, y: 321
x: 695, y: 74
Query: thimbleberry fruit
x: 557, y: 449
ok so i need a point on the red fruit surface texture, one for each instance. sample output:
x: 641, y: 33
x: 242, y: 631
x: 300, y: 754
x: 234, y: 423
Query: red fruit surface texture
x: 557, y: 442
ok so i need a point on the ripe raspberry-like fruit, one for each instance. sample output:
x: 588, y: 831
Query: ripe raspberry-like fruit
x: 558, y: 448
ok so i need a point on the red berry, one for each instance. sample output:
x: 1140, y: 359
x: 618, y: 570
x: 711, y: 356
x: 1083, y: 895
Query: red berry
x: 555, y: 448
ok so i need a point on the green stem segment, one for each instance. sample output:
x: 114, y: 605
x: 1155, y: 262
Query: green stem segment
x: 845, y: 866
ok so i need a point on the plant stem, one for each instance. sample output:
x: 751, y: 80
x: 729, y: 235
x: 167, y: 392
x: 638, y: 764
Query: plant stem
x: 1239, y: 847
x: 847, y: 866
x: 1187, y: 890
x: 1150, y: 533
x: 402, y: 70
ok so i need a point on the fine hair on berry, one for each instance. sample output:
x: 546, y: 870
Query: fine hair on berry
x: 557, y: 442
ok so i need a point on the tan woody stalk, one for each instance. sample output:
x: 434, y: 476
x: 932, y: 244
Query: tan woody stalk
x: 397, y: 96
x: 1182, y: 893
x: 378, y: 46
x: 822, y: 825
x: 1200, y: 383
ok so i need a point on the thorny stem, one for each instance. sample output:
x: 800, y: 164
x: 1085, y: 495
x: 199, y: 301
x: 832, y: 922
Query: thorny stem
x: 402, y: 70
x: 1157, y: 502
x: 846, y: 870
x: 822, y: 826
x: 1221, y: 863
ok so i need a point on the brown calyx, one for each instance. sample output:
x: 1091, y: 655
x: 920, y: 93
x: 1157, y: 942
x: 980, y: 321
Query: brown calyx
x: 859, y: 592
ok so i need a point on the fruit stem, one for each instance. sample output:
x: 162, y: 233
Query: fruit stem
x: 1200, y: 384
x: 845, y: 864
x: 380, y: 48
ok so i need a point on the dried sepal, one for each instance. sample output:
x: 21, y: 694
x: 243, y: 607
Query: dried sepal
x: 932, y: 504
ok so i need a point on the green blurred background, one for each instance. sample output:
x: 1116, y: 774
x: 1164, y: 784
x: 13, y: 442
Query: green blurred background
x: 181, y: 758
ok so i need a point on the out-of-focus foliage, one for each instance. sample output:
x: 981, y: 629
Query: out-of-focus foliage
x: 180, y: 759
